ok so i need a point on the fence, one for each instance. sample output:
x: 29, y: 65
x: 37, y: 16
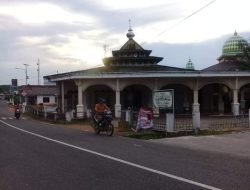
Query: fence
x: 227, y: 122
x: 47, y: 113
x: 181, y: 123
x: 185, y: 122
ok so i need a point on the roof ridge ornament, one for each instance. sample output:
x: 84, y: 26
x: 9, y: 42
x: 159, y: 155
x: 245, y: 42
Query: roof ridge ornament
x: 130, y: 33
x: 189, y: 64
x: 235, y: 33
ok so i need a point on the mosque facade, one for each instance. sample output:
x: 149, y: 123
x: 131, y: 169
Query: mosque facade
x: 129, y: 77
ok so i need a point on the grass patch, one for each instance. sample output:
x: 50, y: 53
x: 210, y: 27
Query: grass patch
x: 149, y: 134
x: 146, y: 135
x: 123, y: 126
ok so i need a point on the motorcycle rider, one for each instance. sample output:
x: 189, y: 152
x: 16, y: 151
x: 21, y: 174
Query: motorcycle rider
x: 100, y: 107
x: 17, y: 110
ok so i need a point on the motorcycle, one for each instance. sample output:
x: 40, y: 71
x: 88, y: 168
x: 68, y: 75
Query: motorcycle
x: 104, y: 124
x: 17, y: 113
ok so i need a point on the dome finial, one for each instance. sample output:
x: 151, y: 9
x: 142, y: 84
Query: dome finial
x: 189, y: 64
x: 130, y: 33
x: 129, y: 23
x: 235, y: 33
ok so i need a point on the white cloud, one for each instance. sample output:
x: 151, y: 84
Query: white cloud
x: 219, y: 18
x: 132, y: 4
x: 72, y: 33
x: 40, y: 13
x: 80, y: 48
x: 33, y: 40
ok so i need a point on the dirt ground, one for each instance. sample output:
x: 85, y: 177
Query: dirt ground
x: 82, y: 127
x: 88, y: 128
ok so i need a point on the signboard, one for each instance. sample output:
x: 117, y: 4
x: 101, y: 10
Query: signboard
x: 163, y: 100
x: 14, y: 82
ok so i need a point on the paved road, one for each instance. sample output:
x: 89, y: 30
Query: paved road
x: 235, y: 144
x: 35, y: 155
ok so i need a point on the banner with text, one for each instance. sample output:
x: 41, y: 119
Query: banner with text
x: 163, y: 100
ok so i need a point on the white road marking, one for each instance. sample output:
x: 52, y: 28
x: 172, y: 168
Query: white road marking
x: 117, y: 159
x: 46, y: 123
x: 138, y: 145
x: 5, y: 118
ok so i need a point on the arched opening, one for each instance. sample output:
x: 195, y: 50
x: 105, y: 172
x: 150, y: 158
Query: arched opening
x: 136, y: 96
x: 244, y: 96
x: 70, y: 96
x: 99, y: 91
x: 183, y: 98
x: 215, y: 99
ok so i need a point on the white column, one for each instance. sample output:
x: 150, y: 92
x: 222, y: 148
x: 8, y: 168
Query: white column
x: 196, y: 97
x: 235, y: 104
x: 26, y: 100
x: 62, y: 95
x: 79, y: 106
x: 196, y: 105
x: 170, y: 122
x: 84, y: 102
x: 196, y: 108
x: 117, y: 100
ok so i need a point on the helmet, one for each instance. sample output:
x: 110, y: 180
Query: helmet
x: 102, y: 100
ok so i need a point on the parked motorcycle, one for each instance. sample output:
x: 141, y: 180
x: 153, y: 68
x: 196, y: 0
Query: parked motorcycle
x: 104, y: 124
x: 17, y: 113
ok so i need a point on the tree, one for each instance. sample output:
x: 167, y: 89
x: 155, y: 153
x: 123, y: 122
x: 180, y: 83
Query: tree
x: 246, y: 54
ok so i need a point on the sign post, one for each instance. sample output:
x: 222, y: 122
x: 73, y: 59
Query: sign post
x: 163, y: 101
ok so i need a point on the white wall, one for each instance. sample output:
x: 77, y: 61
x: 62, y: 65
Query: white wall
x: 52, y: 99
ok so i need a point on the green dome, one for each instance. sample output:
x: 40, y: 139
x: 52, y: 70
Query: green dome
x: 234, y: 46
x: 189, y: 64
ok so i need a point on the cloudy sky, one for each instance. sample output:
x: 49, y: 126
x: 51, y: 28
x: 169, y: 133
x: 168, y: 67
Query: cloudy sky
x: 69, y: 35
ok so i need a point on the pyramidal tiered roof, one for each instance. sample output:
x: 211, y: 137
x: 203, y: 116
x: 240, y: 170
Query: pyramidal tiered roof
x: 131, y: 54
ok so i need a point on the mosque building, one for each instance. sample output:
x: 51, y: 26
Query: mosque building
x: 131, y: 74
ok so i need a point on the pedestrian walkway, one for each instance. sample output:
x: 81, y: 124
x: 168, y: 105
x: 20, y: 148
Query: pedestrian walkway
x: 236, y: 143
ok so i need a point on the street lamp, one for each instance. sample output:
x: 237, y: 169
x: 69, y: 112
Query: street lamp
x: 26, y: 72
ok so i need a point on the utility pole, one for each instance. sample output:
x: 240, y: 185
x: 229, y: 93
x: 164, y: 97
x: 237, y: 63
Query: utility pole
x: 105, y: 48
x: 38, y: 72
x: 26, y: 73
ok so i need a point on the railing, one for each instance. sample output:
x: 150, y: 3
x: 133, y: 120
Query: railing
x: 183, y: 122
x: 160, y: 123
x: 39, y: 112
x: 227, y: 122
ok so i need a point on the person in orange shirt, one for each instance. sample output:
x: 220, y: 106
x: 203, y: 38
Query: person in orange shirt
x: 100, y: 107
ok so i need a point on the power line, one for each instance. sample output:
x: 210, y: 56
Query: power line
x: 187, y: 17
